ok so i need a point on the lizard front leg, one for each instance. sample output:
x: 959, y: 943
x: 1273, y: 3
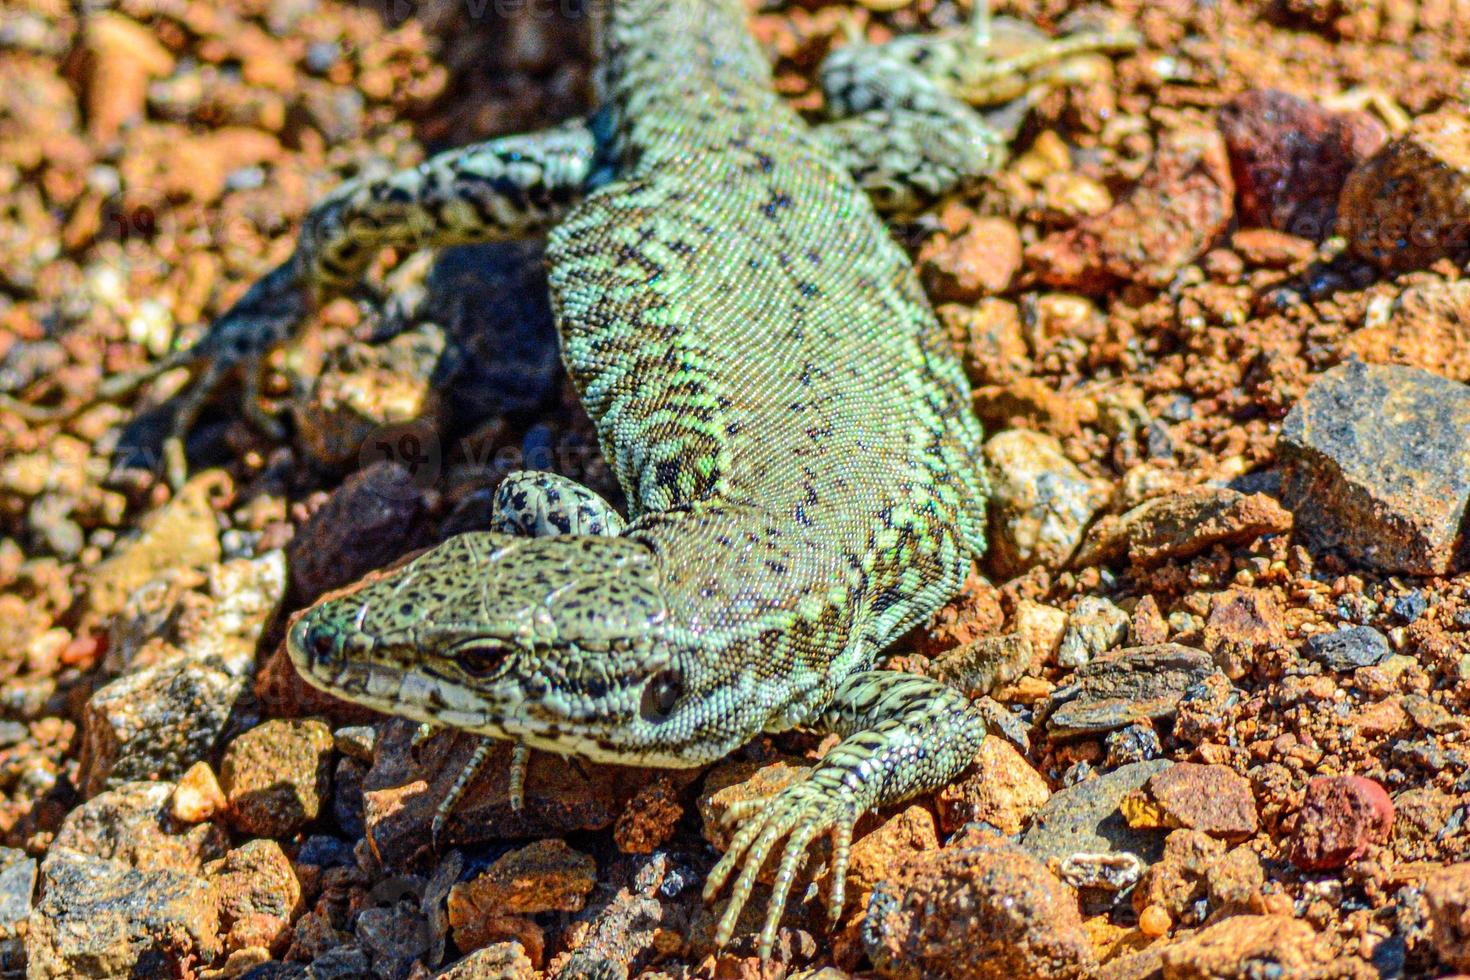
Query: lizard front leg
x: 530, y: 504
x: 505, y: 188
x: 902, y: 735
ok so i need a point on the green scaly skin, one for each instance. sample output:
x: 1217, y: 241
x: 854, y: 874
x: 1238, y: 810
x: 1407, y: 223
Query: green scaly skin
x: 771, y: 388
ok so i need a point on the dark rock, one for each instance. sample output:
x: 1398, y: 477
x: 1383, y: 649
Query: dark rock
x: 1126, y: 686
x: 1084, y: 817
x: 358, y: 530
x: 1408, y: 607
x: 1290, y: 158
x: 1409, y: 204
x: 1136, y: 743
x: 1349, y: 648
x: 496, y: 304
x: 1338, y: 820
x: 394, y: 936
x: 100, y: 918
x: 404, y: 787
x: 985, y: 910
x: 1377, y: 465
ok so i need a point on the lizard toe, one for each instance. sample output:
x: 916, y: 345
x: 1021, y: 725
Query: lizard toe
x: 799, y: 813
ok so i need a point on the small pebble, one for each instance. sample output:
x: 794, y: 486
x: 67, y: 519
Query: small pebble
x: 1154, y: 922
x: 198, y: 796
x: 1348, y: 649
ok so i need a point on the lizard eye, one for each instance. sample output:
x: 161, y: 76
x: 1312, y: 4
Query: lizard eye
x: 661, y: 694
x: 481, y: 661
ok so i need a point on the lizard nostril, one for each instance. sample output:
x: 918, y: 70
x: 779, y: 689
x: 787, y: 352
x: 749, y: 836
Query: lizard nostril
x: 321, y: 643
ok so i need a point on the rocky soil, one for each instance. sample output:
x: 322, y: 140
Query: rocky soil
x: 1217, y: 320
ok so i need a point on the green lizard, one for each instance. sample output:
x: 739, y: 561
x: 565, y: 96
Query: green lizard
x: 771, y: 389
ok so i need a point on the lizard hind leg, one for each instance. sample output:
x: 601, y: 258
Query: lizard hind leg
x: 906, y: 117
x: 903, y: 735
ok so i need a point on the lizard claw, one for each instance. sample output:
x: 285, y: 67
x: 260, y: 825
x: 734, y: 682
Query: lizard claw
x: 799, y: 813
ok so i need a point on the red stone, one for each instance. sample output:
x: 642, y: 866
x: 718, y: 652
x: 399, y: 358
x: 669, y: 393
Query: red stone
x: 1340, y: 817
x: 1290, y: 158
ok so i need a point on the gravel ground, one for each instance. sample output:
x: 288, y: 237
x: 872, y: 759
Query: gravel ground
x: 1217, y: 321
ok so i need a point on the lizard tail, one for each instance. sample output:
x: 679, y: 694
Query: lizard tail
x: 111, y: 389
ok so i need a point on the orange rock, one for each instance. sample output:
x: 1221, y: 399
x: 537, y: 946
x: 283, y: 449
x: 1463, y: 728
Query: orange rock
x: 544, y: 876
x: 1243, y: 623
x: 1170, y: 218
x: 980, y: 261
x: 1001, y: 789
x: 1154, y: 921
x: 1426, y: 326
x: 121, y: 56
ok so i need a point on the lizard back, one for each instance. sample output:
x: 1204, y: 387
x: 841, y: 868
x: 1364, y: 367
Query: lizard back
x: 776, y: 397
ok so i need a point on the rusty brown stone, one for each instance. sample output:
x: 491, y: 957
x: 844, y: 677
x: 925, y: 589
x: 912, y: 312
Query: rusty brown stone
x: 1180, y: 206
x: 1409, y: 204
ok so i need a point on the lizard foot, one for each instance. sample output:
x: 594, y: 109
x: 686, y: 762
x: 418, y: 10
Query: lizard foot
x: 520, y: 760
x: 799, y: 813
x: 265, y: 317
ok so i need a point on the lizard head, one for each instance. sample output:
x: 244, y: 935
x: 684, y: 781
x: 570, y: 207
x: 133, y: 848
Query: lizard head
x: 557, y: 642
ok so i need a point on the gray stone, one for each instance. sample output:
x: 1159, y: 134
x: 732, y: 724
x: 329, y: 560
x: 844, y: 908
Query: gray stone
x: 17, y: 885
x: 1040, y: 502
x: 1349, y: 648
x: 1093, y: 628
x: 1084, y: 818
x: 1376, y: 464
x: 1126, y: 686
x: 156, y: 723
x: 100, y: 918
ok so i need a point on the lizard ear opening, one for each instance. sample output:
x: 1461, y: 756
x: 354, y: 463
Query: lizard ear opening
x: 661, y: 695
